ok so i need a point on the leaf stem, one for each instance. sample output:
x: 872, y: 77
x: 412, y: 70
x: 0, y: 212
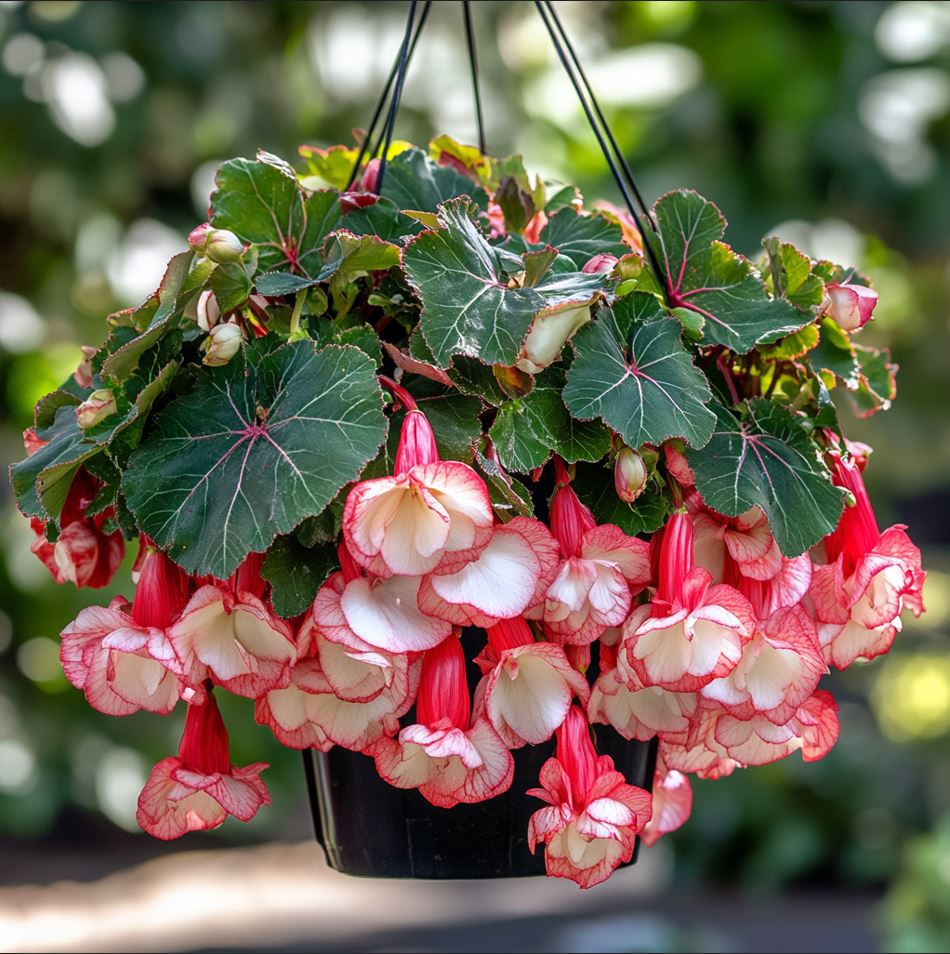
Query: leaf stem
x: 723, y: 365
x: 398, y: 392
x: 298, y: 310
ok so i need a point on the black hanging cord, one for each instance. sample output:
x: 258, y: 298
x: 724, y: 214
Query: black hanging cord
x: 381, y: 102
x: 611, y: 161
x: 473, y: 65
x: 397, y: 95
x: 618, y: 153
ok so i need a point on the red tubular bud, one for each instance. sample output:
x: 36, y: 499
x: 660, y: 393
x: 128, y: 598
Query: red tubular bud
x: 161, y: 592
x: 570, y: 519
x: 676, y: 556
x: 204, y: 745
x: 509, y: 634
x: 416, y: 443
x: 576, y: 753
x: 443, y: 687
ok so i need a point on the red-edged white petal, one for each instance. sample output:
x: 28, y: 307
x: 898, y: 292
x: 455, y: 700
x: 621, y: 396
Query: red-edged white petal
x: 529, y: 692
x: 752, y: 547
x: 585, y: 861
x: 639, y: 712
x: 509, y: 576
x: 827, y: 594
x: 672, y: 804
x: 361, y: 676
x: 610, y: 545
x: 384, y: 614
x: 176, y: 800
x: 844, y: 645
x: 790, y: 585
x: 586, y: 598
x: 813, y: 730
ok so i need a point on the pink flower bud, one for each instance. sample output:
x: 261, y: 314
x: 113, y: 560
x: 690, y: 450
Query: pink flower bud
x: 604, y: 262
x: 97, y: 407
x: 32, y: 442
x: 851, y: 306
x: 209, y: 314
x: 370, y: 174
x: 198, y: 236
x: 630, y: 475
x: 416, y: 443
x: 222, y: 344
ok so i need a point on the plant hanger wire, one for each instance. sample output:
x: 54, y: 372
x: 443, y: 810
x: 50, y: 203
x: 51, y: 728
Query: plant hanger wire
x: 567, y: 54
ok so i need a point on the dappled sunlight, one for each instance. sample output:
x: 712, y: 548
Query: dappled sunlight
x: 276, y: 895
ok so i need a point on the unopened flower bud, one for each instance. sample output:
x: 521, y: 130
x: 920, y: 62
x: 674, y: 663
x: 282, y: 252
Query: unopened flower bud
x: 223, y: 246
x: 604, y: 262
x: 630, y: 266
x: 209, y: 314
x: 548, y: 335
x: 97, y: 407
x: 851, y: 306
x: 222, y: 344
x: 630, y: 475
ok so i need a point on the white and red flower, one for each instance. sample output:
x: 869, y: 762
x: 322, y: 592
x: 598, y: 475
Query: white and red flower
x: 197, y: 789
x: 637, y: 711
x: 528, y: 686
x: 871, y: 577
x: 744, y: 541
x: 430, y: 516
x: 719, y: 742
x: 228, y: 633
x: 691, y: 632
x: 83, y: 553
x: 509, y: 577
x: 602, y: 570
x: 592, y: 818
x: 363, y: 701
x: 779, y: 669
x: 446, y: 755
x: 120, y: 655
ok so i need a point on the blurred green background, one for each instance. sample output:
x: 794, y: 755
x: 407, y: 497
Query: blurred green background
x: 828, y: 122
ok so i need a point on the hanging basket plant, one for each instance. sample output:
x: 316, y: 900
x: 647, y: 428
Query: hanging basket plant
x: 441, y: 467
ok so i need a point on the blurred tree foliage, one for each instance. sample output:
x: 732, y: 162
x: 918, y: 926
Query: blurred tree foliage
x: 833, y: 115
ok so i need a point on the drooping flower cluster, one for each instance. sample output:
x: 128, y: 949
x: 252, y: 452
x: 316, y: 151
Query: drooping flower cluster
x: 649, y: 575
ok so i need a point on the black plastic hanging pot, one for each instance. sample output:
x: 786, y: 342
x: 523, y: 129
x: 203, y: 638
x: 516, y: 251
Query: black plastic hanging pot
x: 366, y: 827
